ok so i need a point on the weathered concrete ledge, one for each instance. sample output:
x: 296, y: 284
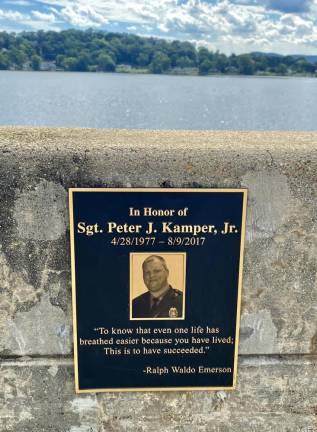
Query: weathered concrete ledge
x: 279, y: 292
x: 271, y: 396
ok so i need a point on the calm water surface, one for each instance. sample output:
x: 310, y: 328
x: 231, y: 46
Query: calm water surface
x: 157, y: 102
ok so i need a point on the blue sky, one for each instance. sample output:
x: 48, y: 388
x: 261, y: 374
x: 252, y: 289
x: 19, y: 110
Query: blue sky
x: 282, y: 26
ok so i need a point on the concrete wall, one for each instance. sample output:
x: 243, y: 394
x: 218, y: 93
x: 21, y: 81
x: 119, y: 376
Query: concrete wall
x: 277, y: 376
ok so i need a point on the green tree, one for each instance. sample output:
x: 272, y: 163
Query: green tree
x: 220, y: 62
x: 83, y: 62
x: 184, y: 62
x: 205, y: 67
x: 17, y: 58
x: 60, y: 60
x: 281, y: 69
x: 35, y: 62
x: 260, y: 62
x: 303, y: 66
x: 4, y: 61
x: 70, y: 63
x: 203, y: 54
x: 143, y: 59
x: 160, y: 63
x: 105, y: 63
x: 245, y: 64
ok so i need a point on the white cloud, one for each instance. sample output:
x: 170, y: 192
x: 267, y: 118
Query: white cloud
x: 34, y: 21
x: 297, y: 24
x: 44, y: 16
x: 82, y: 16
x: 11, y: 15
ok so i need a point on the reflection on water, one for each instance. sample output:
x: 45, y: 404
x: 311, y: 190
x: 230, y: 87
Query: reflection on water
x: 157, y: 102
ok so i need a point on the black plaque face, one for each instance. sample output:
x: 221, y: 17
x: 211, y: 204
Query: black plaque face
x: 156, y: 277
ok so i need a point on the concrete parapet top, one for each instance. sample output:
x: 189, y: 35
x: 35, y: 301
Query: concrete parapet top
x: 79, y: 138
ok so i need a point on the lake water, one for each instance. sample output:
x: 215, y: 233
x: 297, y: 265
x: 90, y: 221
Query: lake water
x: 157, y: 101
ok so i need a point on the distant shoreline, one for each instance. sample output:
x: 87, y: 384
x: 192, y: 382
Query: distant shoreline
x: 171, y: 73
x: 98, y: 51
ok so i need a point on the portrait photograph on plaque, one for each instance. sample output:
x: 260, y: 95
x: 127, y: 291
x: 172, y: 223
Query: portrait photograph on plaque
x: 156, y: 287
x: 153, y: 279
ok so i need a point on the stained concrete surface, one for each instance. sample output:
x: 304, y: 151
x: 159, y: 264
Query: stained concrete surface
x: 277, y: 375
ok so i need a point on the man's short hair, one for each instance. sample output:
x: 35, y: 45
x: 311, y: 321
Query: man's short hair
x: 152, y: 258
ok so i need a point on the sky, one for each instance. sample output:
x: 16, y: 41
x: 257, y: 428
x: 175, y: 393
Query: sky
x: 231, y: 26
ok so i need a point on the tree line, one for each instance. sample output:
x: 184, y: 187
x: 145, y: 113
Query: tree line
x: 90, y: 50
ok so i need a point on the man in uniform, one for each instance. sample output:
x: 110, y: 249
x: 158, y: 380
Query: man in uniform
x: 161, y: 300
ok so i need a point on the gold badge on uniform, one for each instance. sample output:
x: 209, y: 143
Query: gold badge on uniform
x: 172, y: 313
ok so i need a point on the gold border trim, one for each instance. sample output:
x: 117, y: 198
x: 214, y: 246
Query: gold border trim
x: 244, y: 191
x: 157, y: 190
x: 73, y: 275
x: 242, y: 242
x: 154, y: 389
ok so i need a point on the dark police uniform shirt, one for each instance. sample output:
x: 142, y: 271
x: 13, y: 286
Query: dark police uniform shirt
x: 170, y: 305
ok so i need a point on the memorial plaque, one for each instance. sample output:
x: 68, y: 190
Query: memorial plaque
x: 156, y: 276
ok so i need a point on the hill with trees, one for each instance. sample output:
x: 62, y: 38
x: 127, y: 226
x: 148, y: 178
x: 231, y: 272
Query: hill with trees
x: 94, y: 51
